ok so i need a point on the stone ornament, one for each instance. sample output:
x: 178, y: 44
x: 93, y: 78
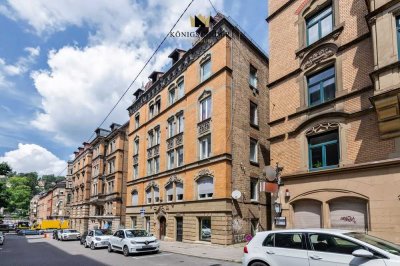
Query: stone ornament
x: 320, y: 53
x: 322, y: 128
x: 151, y: 184
x: 204, y: 172
x: 174, y: 179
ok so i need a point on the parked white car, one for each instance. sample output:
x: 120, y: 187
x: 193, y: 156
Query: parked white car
x: 97, y: 238
x: 133, y: 241
x: 320, y: 247
x: 1, y: 238
x: 69, y: 234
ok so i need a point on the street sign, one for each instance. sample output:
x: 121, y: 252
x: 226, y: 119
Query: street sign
x: 142, y: 212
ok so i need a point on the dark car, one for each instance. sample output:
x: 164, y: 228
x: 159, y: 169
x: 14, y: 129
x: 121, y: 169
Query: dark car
x: 55, y: 235
x: 26, y: 232
x: 83, y: 238
x: 4, y: 228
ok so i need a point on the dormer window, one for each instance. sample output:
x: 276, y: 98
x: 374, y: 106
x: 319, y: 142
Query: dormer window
x: 319, y: 25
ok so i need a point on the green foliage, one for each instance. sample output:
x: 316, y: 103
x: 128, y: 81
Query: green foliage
x: 19, y: 194
x: 5, y: 169
x: 4, y: 195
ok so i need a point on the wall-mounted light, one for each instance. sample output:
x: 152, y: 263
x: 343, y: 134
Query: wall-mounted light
x: 278, y: 208
x: 287, y: 193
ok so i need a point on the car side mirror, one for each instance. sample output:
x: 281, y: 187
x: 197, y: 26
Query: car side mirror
x: 362, y: 253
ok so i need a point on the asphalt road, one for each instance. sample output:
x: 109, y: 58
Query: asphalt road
x: 36, y: 250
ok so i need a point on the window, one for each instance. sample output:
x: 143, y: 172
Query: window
x: 110, y: 186
x: 156, y: 165
x: 170, y: 192
x: 157, y: 107
x: 333, y: 244
x: 253, y: 77
x: 179, y: 155
x: 253, y: 114
x: 111, y: 166
x: 254, y: 226
x: 205, y: 147
x: 148, y: 196
x: 181, y: 125
x: 253, y: 150
x: 321, y: 87
x: 205, y: 70
x: 319, y: 25
x: 324, y: 150
x: 137, y: 121
x: 171, y: 96
x: 149, y: 167
x: 135, y: 171
x: 253, y: 189
x: 136, y: 147
x: 181, y: 88
x: 171, y: 128
x: 135, y: 198
x: 205, y: 109
x: 205, y: 187
x: 157, y: 137
x: 156, y: 193
x: 171, y: 159
x: 151, y: 111
x: 133, y: 222
x: 289, y: 240
x: 179, y: 191
x: 205, y: 228
x: 269, y: 241
x: 398, y: 36
x: 150, y: 139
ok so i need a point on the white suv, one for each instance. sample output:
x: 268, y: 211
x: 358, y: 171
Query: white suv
x: 97, y: 238
x: 69, y: 234
x: 320, y: 247
x: 133, y: 241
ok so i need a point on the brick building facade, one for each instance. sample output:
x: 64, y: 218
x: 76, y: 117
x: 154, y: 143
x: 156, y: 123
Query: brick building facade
x: 334, y: 115
x: 196, y: 134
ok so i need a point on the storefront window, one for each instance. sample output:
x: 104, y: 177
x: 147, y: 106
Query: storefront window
x: 205, y: 229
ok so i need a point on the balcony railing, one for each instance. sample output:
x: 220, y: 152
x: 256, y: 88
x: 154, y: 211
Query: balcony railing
x: 204, y: 126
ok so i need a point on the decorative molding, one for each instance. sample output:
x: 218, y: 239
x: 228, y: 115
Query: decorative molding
x: 204, y: 127
x: 204, y: 172
x: 173, y: 179
x: 323, y: 127
x: 318, y: 54
x: 170, y: 143
x: 151, y: 184
x: 179, y: 139
x: 204, y: 95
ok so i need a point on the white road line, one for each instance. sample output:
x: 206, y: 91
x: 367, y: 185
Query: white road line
x: 152, y: 256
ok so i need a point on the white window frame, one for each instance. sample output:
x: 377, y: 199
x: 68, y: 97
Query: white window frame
x: 207, y: 153
x: 204, y: 76
x: 255, y: 196
x: 254, y: 158
x: 205, y: 103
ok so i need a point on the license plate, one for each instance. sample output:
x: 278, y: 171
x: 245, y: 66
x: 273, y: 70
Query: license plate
x: 146, y: 247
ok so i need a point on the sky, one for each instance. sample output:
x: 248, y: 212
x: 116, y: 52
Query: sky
x: 65, y: 63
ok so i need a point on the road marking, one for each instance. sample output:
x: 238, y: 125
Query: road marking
x: 152, y: 256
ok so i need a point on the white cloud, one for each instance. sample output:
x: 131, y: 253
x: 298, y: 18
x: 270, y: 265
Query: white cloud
x: 20, y: 67
x: 82, y: 85
x: 33, y: 158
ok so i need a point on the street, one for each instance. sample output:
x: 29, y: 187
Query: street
x: 36, y: 250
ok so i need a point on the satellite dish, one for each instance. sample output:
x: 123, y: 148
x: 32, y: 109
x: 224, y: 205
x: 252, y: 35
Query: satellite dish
x: 270, y: 173
x: 236, y: 194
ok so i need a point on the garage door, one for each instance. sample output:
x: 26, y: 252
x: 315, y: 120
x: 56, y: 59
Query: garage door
x: 348, y: 213
x: 307, y: 214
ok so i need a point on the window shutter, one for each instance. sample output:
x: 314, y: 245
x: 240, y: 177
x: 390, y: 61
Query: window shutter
x: 206, y: 185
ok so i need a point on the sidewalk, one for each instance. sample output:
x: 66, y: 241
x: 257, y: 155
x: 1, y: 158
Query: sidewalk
x: 228, y: 253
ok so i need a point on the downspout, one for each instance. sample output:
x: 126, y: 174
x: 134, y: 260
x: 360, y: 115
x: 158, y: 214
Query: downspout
x: 122, y: 184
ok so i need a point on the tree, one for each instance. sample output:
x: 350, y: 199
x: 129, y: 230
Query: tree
x: 32, y: 179
x: 5, y: 169
x: 51, y: 180
x: 4, y: 195
x: 20, y: 194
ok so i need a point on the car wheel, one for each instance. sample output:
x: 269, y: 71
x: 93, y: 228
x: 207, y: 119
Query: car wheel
x: 126, y: 251
x: 258, y: 263
x: 92, y: 247
x: 109, y: 248
x: 86, y: 245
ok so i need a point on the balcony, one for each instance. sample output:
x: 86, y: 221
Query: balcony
x: 175, y: 141
x: 153, y: 151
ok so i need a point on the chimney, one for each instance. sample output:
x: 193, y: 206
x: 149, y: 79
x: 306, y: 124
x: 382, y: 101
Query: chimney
x: 138, y: 93
x: 176, y: 55
x: 86, y: 145
x: 76, y: 153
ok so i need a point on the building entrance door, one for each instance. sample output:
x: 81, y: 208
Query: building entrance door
x: 163, y: 227
x: 179, y: 228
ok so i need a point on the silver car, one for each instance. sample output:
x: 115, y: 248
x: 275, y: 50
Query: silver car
x: 1, y: 238
x: 70, y: 234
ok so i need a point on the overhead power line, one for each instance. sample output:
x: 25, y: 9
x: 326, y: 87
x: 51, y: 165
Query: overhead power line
x: 140, y: 72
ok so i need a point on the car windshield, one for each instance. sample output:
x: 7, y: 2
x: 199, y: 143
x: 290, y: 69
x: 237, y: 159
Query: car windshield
x: 102, y: 232
x: 136, y: 233
x: 70, y: 231
x: 377, y: 242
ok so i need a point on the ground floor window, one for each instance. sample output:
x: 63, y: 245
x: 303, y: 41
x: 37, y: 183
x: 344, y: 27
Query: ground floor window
x: 205, y: 228
x: 148, y: 228
x: 133, y: 222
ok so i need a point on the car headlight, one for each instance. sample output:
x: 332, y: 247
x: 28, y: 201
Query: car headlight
x: 133, y: 242
x: 98, y: 238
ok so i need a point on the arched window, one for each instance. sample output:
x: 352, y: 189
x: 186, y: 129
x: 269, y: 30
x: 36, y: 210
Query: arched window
x: 135, y: 198
x: 148, y: 195
x: 170, y: 192
x: 205, y: 187
x: 179, y: 191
